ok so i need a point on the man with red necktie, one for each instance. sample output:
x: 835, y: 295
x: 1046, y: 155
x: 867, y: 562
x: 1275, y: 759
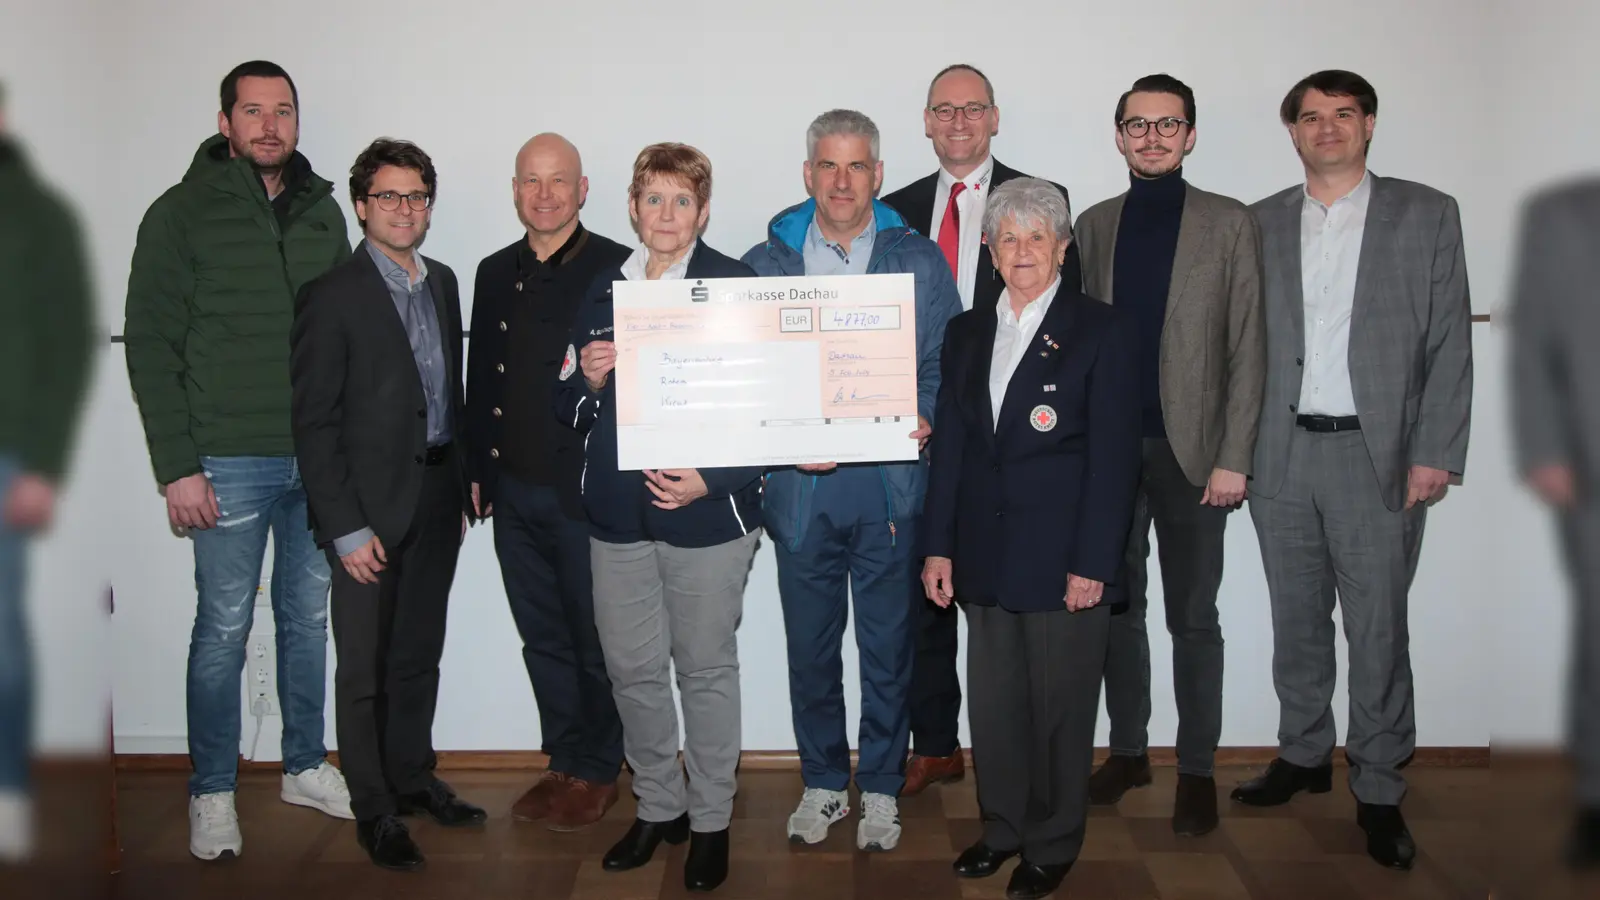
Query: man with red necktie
x: 960, y: 119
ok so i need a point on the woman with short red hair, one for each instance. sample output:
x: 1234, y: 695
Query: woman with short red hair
x: 670, y: 550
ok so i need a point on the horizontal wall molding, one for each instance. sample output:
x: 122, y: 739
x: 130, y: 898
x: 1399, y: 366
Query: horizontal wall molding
x: 789, y: 760
x: 1477, y: 319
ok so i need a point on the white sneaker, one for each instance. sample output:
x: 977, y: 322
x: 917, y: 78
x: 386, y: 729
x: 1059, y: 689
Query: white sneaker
x: 321, y: 788
x: 879, y: 828
x: 818, y: 809
x: 16, y: 828
x: 214, y: 826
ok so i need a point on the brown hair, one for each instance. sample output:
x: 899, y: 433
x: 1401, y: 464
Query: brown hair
x: 1334, y: 83
x: 389, y: 152
x: 256, y: 68
x: 679, y: 162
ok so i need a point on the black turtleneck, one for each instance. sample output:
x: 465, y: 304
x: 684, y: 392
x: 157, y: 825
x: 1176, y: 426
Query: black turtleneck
x: 1141, y: 274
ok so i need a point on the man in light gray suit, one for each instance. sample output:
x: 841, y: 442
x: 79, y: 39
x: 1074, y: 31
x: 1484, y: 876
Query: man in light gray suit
x: 1186, y: 264
x: 1368, y: 405
x: 1555, y: 379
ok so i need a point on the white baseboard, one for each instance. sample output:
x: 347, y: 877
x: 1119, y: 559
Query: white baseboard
x: 151, y: 743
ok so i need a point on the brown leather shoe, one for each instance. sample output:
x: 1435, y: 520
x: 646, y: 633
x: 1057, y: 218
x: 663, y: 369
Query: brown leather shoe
x: 541, y: 798
x: 922, y: 771
x: 581, y: 805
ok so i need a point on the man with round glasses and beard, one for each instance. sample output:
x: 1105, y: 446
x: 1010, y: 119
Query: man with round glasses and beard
x: 219, y: 259
x: 1185, y: 263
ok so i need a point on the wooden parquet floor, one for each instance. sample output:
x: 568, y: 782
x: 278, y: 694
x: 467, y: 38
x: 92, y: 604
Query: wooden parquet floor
x: 1310, y: 849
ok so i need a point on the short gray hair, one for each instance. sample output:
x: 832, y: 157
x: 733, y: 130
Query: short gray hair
x: 1028, y: 201
x: 841, y: 121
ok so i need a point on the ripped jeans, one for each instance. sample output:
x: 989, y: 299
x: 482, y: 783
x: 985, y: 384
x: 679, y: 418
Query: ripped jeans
x: 255, y: 494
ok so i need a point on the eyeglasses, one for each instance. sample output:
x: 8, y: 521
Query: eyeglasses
x: 946, y: 112
x: 1167, y: 127
x: 389, y: 201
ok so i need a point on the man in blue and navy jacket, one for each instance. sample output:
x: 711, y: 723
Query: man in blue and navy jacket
x: 854, y: 525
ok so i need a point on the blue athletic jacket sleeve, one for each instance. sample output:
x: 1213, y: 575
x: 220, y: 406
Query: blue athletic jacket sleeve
x: 937, y: 304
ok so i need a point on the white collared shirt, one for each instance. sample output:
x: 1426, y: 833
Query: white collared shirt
x: 969, y: 206
x: 1013, y: 339
x: 634, y: 270
x: 1330, y: 254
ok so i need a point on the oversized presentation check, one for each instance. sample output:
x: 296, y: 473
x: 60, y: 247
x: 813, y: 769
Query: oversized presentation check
x: 765, y: 371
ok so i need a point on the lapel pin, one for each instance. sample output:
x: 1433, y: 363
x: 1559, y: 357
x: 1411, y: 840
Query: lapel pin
x: 1049, y: 387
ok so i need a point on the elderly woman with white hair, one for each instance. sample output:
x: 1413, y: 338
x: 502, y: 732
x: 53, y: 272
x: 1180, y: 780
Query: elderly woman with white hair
x: 1035, y: 461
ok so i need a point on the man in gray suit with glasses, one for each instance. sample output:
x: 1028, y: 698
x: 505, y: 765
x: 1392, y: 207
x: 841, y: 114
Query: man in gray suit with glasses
x: 1365, y: 421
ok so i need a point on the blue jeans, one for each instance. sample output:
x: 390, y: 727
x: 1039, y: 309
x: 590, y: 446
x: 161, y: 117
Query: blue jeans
x: 255, y: 494
x: 16, y: 657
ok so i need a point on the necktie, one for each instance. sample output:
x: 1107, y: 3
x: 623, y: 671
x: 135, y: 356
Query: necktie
x: 950, y: 231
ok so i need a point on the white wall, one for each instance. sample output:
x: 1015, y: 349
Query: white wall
x: 119, y: 108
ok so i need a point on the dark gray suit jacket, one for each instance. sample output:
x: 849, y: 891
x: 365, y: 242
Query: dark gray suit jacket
x: 1410, y: 335
x: 1555, y: 330
x: 359, y: 417
x: 1213, y: 342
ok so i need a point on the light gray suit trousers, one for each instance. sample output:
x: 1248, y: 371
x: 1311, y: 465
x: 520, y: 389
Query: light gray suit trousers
x: 1329, y: 508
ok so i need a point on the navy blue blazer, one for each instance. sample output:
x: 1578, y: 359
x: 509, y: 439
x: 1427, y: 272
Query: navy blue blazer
x: 617, y: 503
x: 1050, y: 492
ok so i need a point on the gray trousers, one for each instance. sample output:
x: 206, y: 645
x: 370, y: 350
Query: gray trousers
x: 658, y: 608
x: 1190, y: 543
x: 1327, y: 535
x: 1033, y: 691
x: 1580, y: 532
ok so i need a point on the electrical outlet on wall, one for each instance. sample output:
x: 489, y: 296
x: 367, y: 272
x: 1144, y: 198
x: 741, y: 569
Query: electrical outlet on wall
x: 261, y: 675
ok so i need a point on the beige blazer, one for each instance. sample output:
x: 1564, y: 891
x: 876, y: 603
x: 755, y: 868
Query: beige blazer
x: 1213, y: 342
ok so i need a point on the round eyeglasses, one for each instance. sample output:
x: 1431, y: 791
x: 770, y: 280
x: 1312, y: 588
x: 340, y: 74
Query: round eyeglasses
x: 1167, y: 127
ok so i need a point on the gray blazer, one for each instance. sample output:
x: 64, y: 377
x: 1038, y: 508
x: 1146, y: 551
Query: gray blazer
x: 1555, y: 329
x: 1213, y: 342
x: 1410, y: 335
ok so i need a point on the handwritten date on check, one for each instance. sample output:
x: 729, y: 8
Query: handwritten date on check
x: 765, y: 371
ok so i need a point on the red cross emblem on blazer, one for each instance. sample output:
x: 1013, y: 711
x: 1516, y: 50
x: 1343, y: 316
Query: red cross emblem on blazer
x: 1043, y: 418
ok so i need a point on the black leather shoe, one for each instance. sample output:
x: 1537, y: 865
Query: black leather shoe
x: 389, y: 844
x: 707, y: 864
x: 1283, y: 780
x: 981, y: 860
x: 1194, y: 811
x: 1032, y: 881
x: 639, y: 844
x: 441, y: 804
x: 1583, y: 845
x: 1388, y: 840
x: 1116, y: 776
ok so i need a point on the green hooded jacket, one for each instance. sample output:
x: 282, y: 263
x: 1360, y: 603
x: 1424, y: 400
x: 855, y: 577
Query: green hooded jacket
x: 47, y: 339
x: 211, y: 297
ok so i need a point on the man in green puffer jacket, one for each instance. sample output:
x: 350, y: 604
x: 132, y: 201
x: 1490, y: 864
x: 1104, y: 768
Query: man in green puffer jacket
x: 220, y: 259
x: 46, y: 340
